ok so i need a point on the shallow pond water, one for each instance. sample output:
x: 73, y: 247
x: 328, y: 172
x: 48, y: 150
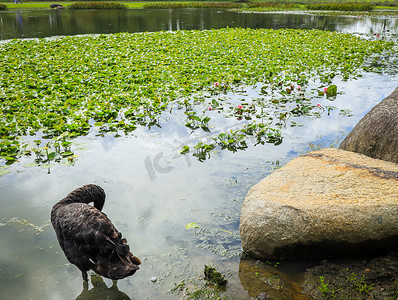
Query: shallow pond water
x: 153, y: 192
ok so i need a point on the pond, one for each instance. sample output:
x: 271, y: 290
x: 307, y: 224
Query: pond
x: 153, y: 192
x: 44, y: 23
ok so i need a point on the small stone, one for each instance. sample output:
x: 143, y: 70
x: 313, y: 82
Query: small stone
x: 154, y: 279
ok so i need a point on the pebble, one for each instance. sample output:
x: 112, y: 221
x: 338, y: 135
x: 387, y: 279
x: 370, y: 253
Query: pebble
x: 154, y: 279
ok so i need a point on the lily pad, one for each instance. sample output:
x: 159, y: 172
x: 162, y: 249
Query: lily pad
x: 192, y: 225
x: 346, y: 112
x: 31, y: 165
x: 4, y: 171
x: 331, y: 90
x: 130, y: 80
x: 67, y: 153
x: 47, y: 166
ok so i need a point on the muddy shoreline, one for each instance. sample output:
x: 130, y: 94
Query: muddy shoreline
x: 362, y: 278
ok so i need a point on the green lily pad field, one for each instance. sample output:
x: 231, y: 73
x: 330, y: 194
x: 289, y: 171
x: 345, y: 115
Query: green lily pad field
x: 53, y: 90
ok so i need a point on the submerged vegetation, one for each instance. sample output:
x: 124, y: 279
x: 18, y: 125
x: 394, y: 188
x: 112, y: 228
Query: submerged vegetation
x: 66, y: 87
x: 210, y: 287
x: 214, y: 277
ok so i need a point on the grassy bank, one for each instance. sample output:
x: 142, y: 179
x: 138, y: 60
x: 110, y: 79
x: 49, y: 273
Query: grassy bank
x: 46, y: 5
x: 97, y: 5
x: 253, y: 5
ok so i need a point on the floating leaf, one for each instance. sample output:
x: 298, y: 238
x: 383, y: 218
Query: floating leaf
x: 295, y: 124
x: 67, y: 153
x: 346, y: 112
x: 129, y: 80
x: 47, y: 166
x: 331, y: 90
x: 4, y: 171
x: 31, y: 165
x: 192, y: 225
x: 184, y: 150
x: 52, y: 155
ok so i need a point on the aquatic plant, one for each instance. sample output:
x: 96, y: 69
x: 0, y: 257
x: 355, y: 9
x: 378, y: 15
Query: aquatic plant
x: 115, y: 83
x: 176, y: 5
x: 214, y: 276
x: 194, y: 290
x: 341, y: 6
x: 3, y: 7
x: 97, y: 5
x: 272, y: 6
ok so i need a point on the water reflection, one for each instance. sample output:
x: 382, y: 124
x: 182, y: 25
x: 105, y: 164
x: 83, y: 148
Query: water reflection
x: 100, y: 291
x: 18, y: 17
x: 153, y: 213
x: 267, y: 278
x: 55, y: 20
x: 153, y: 191
x: 45, y: 23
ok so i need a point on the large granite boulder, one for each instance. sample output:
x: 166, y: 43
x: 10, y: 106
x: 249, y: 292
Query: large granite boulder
x: 376, y: 135
x: 327, y: 203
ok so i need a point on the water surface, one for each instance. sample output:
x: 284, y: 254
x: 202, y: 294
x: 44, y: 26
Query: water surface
x: 152, y: 191
x: 44, y: 23
x: 152, y: 209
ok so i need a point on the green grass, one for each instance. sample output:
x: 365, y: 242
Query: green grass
x: 135, y: 5
x: 31, y: 5
x: 46, y: 5
x: 271, y: 4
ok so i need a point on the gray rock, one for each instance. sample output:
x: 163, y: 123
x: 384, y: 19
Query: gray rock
x: 376, y: 135
x: 328, y: 203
